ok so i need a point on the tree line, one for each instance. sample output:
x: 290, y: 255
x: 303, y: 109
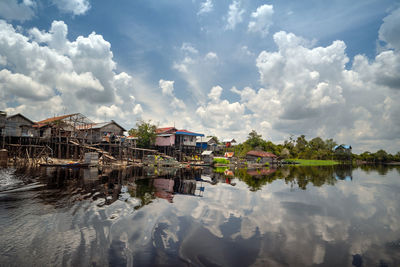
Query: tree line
x: 316, y: 148
x: 295, y: 147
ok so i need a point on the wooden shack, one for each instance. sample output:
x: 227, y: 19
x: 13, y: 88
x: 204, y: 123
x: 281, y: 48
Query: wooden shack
x: 71, y: 125
x: 206, y: 143
x: 20, y: 126
x: 3, y: 116
x: 261, y: 157
x: 104, y: 132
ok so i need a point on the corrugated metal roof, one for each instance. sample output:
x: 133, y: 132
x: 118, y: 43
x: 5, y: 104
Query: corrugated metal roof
x: 165, y: 129
x: 186, y: 132
x: 56, y: 118
x: 207, y: 153
x: 261, y: 154
x: 98, y: 125
x: 342, y: 146
x: 229, y: 140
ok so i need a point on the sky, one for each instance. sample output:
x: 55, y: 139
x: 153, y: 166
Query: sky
x: 283, y: 68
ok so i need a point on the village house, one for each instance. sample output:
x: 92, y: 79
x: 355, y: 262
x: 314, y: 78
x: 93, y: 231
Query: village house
x: 170, y: 139
x: 206, y: 143
x: 343, y: 152
x: 343, y: 148
x: 20, y: 126
x: 104, y: 132
x: 3, y: 116
x: 64, y: 126
x: 261, y: 157
x: 228, y: 142
x: 207, y: 156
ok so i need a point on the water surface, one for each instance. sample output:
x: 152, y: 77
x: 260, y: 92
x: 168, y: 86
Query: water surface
x: 297, y: 216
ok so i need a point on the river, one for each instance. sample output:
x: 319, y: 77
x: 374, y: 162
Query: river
x: 293, y: 216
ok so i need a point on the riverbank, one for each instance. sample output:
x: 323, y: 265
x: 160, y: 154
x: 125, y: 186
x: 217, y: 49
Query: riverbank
x: 313, y: 162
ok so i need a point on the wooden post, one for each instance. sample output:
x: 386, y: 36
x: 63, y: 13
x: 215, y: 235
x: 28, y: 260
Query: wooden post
x: 67, y: 148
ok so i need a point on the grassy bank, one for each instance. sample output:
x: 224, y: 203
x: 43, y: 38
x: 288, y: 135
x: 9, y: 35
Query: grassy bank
x: 314, y: 162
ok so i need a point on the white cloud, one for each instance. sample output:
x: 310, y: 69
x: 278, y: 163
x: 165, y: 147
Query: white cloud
x: 206, y: 7
x: 137, y: 109
x: 76, y: 7
x: 167, y: 87
x: 19, y: 85
x: 211, y: 56
x: 15, y: 10
x: 220, y: 116
x: 78, y: 75
x: 390, y: 30
x: 310, y: 91
x: 187, y: 47
x: 235, y: 15
x: 261, y: 19
x: 215, y: 93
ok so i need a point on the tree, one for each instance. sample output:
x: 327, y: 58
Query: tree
x: 215, y: 138
x: 381, y: 156
x: 145, y: 132
x: 301, y: 144
x: 254, y: 140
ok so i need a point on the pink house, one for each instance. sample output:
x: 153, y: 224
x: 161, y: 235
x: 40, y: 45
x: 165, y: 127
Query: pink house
x: 166, y: 136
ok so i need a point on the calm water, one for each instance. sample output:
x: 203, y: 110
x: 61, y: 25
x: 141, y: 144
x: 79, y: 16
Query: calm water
x: 300, y: 216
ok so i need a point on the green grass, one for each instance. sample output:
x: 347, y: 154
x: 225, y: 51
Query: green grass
x: 221, y: 161
x: 314, y: 162
x: 220, y: 169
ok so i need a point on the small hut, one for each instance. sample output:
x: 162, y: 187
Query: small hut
x: 261, y: 157
x: 207, y: 156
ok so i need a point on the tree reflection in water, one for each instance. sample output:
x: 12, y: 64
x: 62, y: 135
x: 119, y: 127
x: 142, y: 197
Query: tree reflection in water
x: 64, y: 186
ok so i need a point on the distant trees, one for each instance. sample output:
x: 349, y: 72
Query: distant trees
x: 145, y: 132
x: 378, y: 157
x: 255, y: 142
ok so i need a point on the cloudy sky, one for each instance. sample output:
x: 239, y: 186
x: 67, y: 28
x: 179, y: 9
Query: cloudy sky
x: 282, y: 68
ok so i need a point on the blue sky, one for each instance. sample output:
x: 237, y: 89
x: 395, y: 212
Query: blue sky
x: 319, y: 68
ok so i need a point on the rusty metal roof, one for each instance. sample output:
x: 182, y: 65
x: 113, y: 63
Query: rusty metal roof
x: 165, y: 129
x: 261, y: 154
x: 56, y: 118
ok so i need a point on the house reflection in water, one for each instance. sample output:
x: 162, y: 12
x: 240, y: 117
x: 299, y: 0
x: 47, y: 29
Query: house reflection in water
x: 167, y: 188
x: 343, y: 173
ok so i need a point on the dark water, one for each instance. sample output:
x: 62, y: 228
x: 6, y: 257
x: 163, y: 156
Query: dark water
x: 300, y: 216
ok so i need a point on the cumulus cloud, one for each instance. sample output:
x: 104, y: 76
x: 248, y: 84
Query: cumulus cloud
x: 309, y: 90
x: 211, y: 56
x: 235, y: 15
x: 189, y: 48
x: 76, y: 7
x: 17, y: 10
x: 78, y: 75
x: 167, y: 87
x: 206, y: 7
x: 19, y: 85
x: 261, y: 19
x: 389, y: 31
x: 220, y: 115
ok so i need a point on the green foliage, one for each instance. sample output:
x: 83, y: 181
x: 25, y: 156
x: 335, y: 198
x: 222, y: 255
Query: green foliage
x: 145, y: 132
x: 315, y: 149
x: 220, y: 169
x: 381, y: 156
x: 308, y: 162
x: 221, y: 161
x: 215, y: 138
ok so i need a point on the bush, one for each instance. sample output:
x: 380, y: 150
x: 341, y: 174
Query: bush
x: 221, y: 160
